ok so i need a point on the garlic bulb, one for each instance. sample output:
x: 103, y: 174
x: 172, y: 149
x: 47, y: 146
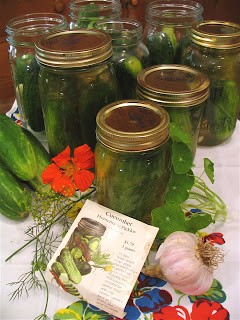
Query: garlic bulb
x: 186, y: 263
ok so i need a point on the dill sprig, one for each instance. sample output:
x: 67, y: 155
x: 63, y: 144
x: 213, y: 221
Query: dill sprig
x: 50, y: 224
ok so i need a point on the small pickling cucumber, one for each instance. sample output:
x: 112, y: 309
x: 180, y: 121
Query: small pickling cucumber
x: 69, y: 265
x: 16, y: 151
x: 15, y: 199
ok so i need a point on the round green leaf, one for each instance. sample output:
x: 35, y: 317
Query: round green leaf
x: 181, y: 158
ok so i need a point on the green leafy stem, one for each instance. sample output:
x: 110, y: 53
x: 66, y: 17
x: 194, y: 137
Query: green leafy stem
x: 190, y: 205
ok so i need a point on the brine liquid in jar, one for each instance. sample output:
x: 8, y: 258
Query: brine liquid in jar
x: 132, y: 157
x: 215, y: 50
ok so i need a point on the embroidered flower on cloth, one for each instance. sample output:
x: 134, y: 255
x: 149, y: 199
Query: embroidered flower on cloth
x: 67, y: 174
x: 201, y: 310
x: 215, y: 237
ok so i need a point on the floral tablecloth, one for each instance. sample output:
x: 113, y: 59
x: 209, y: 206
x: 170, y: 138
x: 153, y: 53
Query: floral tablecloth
x: 151, y: 298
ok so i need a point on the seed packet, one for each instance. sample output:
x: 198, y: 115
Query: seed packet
x: 101, y: 256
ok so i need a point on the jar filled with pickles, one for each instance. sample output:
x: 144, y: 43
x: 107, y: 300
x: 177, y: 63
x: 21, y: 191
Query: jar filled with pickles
x: 85, y: 13
x: 167, y: 28
x: 130, y: 55
x: 182, y: 91
x: 76, y: 80
x: 215, y: 50
x: 132, y: 157
x: 22, y: 33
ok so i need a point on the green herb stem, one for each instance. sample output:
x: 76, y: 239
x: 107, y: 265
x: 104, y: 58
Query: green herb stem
x: 35, y: 238
x: 49, y: 226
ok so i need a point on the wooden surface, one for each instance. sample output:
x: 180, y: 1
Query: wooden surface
x: 228, y: 10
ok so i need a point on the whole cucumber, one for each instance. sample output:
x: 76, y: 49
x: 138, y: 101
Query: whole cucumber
x: 69, y: 265
x: 16, y: 151
x: 15, y: 200
x: 43, y: 160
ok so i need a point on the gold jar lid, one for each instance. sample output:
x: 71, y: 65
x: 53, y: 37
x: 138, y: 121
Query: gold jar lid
x: 173, y: 85
x: 74, y: 48
x: 216, y: 34
x: 132, y: 125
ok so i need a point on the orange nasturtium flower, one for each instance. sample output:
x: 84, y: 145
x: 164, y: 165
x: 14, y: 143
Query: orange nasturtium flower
x: 67, y: 174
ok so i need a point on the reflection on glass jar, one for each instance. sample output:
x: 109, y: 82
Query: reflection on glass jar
x: 215, y: 50
x: 167, y: 28
x: 182, y: 91
x: 22, y: 33
x: 130, y: 55
x: 85, y: 13
x: 132, y: 157
x: 76, y: 80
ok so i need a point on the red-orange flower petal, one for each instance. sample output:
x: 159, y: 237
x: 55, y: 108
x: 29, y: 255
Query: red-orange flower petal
x: 84, y: 157
x: 83, y: 179
x: 62, y: 158
x: 50, y: 173
x: 64, y: 185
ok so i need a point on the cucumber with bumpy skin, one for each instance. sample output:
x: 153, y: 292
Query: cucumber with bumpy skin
x: 15, y: 200
x: 16, y: 151
x: 43, y: 160
x: 69, y: 265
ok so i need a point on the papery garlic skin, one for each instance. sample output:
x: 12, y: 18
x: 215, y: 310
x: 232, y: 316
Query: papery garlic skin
x: 181, y: 264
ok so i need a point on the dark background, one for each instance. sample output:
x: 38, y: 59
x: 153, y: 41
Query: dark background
x: 226, y: 10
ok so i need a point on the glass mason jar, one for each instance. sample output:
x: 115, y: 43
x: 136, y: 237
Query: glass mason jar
x: 167, y: 28
x: 215, y: 50
x: 86, y: 239
x: 22, y: 33
x: 182, y: 91
x: 76, y: 80
x: 130, y: 55
x: 132, y: 157
x: 85, y: 13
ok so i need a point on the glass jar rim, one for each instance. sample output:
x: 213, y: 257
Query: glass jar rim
x: 216, y: 34
x: 127, y: 28
x: 103, y: 4
x: 36, y: 23
x: 25, y: 29
x: 173, y: 12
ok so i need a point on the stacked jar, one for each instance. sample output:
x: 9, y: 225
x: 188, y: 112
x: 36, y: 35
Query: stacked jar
x: 85, y: 13
x: 167, y: 28
x: 22, y: 33
x: 182, y: 91
x: 132, y: 157
x: 76, y: 80
x: 215, y: 50
x: 130, y: 55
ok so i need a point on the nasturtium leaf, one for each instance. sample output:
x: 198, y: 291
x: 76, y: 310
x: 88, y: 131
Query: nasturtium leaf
x: 177, y: 135
x: 176, y: 194
x: 181, y: 158
x: 215, y: 293
x: 198, y: 221
x: 178, y: 187
x: 168, y: 218
x: 66, y: 314
x: 209, y: 169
